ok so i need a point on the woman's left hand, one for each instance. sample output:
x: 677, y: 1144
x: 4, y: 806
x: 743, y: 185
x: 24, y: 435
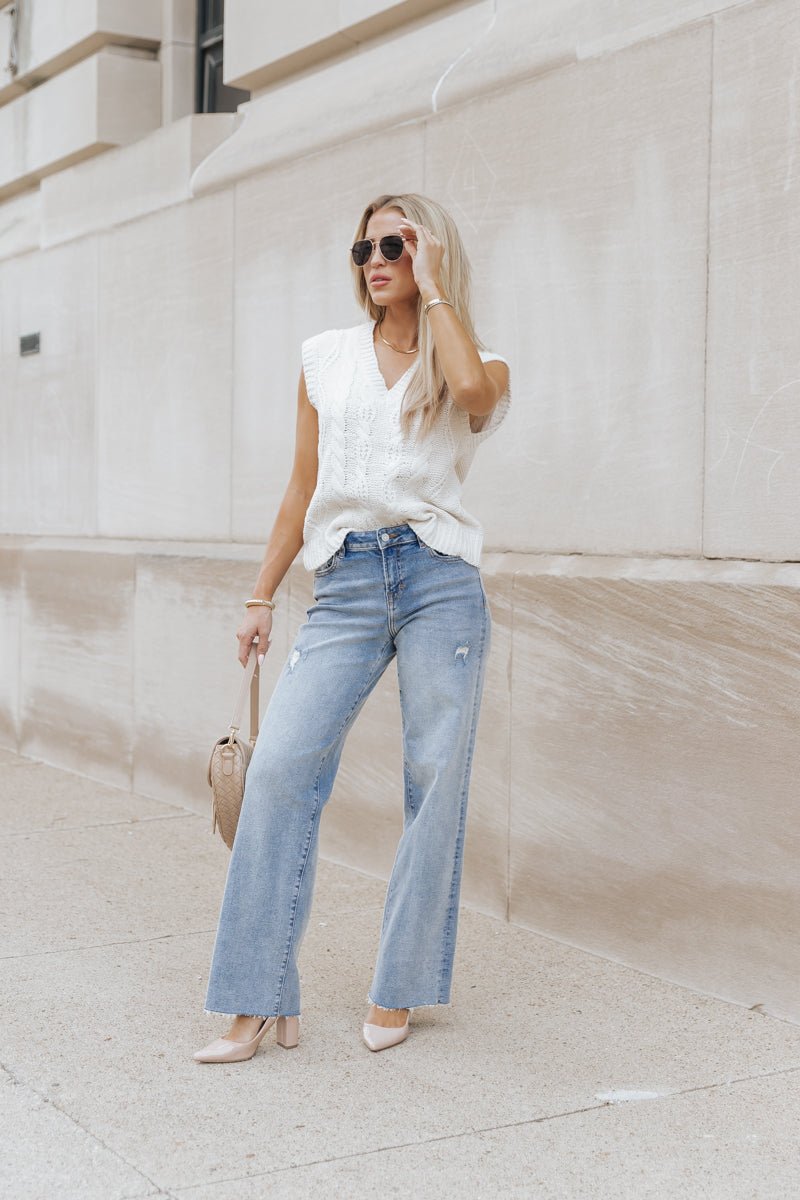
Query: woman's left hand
x: 426, y: 251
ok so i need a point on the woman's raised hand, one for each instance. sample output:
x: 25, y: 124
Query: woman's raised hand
x: 258, y: 621
x: 426, y: 252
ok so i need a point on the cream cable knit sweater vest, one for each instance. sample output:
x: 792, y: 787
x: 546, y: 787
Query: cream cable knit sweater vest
x: 369, y: 474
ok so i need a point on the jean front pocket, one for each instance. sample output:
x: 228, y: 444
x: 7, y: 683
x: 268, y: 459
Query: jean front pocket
x: 331, y: 564
x: 440, y: 554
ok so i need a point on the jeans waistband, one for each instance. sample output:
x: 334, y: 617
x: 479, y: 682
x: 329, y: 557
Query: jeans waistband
x: 386, y: 535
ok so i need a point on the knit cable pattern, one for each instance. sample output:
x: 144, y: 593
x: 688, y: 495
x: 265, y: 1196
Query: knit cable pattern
x: 369, y: 473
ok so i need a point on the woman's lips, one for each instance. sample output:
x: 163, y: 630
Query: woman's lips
x: 379, y: 282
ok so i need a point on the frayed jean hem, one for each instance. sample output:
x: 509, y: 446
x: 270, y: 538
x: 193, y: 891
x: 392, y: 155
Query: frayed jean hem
x: 410, y: 1007
x: 215, y: 1012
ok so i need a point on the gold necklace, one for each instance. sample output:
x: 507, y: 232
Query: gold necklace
x: 397, y: 348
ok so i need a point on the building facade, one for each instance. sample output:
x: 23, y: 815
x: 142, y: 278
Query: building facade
x: 178, y: 191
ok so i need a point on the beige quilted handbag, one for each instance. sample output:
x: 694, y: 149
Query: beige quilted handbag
x: 230, y: 757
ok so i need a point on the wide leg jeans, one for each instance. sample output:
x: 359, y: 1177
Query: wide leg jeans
x: 385, y: 592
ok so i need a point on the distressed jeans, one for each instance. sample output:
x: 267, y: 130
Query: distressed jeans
x: 383, y: 593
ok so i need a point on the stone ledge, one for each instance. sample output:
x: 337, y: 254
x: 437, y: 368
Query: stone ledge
x: 106, y: 100
x: 107, y: 190
x: 298, y: 117
x: 500, y: 564
x: 52, y: 42
x: 457, y: 56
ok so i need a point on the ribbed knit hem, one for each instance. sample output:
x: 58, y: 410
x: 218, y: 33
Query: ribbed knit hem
x: 447, y: 537
x: 317, y: 550
x: 451, y: 537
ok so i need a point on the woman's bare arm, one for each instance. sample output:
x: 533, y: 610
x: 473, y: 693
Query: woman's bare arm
x: 286, y: 538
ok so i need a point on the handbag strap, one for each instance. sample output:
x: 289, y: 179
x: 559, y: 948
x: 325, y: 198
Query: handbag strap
x: 251, y: 673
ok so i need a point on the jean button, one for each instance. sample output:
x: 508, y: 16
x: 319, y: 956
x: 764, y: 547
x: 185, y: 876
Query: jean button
x: 384, y: 537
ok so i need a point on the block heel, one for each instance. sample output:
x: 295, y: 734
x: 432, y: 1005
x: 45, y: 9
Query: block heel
x: 287, y: 1031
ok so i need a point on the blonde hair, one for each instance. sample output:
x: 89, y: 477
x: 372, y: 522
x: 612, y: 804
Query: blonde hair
x: 427, y: 388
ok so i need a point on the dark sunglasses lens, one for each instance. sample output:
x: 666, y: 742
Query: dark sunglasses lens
x: 361, y: 252
x: 391, y: 247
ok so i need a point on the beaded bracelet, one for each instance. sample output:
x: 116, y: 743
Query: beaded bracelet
x: 265, y: 603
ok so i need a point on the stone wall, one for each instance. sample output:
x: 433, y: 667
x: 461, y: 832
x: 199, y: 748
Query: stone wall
x: 625, y: 179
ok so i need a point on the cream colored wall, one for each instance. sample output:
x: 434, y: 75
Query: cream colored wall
x: 90, y: 75
x: 625, y: 180
x: 53, y: 36
x: 177, y: 55
x: 266, y: 40
x: 104, y: 100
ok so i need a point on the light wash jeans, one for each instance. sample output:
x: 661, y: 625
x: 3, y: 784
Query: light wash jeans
x: 385, y: 592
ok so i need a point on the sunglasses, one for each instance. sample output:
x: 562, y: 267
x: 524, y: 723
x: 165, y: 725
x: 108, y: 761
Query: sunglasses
x: 391, y: 247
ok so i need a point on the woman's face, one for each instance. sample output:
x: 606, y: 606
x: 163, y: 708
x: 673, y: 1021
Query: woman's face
x: 400, y: 284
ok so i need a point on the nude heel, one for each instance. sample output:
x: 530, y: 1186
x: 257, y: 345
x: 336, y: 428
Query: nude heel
x: 225, y: 1050
x: 380, y: 1037
x: 287, y: 1031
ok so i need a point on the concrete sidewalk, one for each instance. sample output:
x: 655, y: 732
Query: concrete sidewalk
x: 552, y: 1074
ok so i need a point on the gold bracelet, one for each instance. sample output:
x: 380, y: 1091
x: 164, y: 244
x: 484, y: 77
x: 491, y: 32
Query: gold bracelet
x: 265, y: 603
x: 436, y: 300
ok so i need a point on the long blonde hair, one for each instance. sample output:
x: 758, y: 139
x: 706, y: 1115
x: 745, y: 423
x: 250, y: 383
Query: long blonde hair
x: 427, y: 389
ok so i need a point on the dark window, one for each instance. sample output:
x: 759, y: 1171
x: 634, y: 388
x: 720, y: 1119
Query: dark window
x: 211, y: 94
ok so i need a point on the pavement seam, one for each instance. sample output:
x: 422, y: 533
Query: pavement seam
x: 158, y: 937
x: 99, y: 825
x: 446, y: 1137
x: 708, y: 1087
x: 88, y: 1133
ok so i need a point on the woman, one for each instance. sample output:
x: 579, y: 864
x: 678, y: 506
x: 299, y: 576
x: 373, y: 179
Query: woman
x: 390, y: 412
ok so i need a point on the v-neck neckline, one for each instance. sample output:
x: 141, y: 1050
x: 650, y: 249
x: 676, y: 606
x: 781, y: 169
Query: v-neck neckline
x: 371, y: 360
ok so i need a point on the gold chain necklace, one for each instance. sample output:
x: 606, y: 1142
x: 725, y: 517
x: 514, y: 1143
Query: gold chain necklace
x: 397, y: 348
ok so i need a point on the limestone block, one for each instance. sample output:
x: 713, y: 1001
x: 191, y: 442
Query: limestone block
x: 752, y: 497
x: 362, y: 19
x: 178, y: 67
x: 266, y: 41
x: 10, y: 84
x: 257, y: 35
x: 449, y: 54
x: 178, y: 21
x: 581, y: 196
x: 653, y: 744
x: 52, y: 37
x: 293, y: 118
x: 164, y: 373
x: 187, y: 675
x: 10, y: 620
x: 518, y: 40
x: 20, y: 223
x: 77, y: 661
x: 47, y: 417
x: 107, y: 99
x: 129, y: 181
x: 293, y: 279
